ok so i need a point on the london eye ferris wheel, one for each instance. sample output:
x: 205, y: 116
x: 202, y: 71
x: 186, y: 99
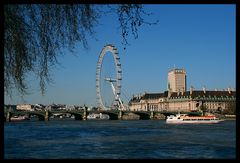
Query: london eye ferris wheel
x: 111, y: 80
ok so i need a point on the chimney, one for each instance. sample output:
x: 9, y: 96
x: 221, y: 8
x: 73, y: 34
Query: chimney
x: 204, y: 90
x: 191, y: 90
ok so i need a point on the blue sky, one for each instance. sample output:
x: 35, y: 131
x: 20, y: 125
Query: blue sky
x: 199, y: 38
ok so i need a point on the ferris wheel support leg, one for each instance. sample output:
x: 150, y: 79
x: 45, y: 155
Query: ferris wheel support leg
x: 120, y: 115
x: 85, y: 114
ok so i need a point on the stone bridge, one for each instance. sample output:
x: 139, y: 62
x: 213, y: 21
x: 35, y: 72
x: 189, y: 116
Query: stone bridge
x: 82, y: 114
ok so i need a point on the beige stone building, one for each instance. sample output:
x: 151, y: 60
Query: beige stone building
x: 183, y: 101
x: 178, y: 99
x: 148, y: 102
x: 25, y: 107
x: 177, y: 80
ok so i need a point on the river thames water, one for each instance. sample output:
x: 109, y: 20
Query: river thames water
x: 118, y: 139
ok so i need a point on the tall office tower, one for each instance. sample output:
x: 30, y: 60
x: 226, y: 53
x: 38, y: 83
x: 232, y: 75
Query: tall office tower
x: 177, y: 80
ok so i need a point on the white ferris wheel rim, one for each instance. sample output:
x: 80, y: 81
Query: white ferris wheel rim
x: 118, y: 71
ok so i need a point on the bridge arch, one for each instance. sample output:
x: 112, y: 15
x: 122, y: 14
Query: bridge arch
x: 77, y: 115
x: 143, y: 115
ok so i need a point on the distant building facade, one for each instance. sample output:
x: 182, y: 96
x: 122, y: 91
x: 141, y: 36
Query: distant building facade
x: 183, y: 101
x: 149, y: 102
x: 178, y: 99
x: 177, y: 80
x: 25, y: 107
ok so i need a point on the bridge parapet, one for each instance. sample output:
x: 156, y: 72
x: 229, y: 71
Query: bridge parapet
x: 82, y: 114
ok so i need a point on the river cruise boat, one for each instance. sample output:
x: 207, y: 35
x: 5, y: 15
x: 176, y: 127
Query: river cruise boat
x: 184, y: 118
x: 19, y: 118
x: 99, y: 116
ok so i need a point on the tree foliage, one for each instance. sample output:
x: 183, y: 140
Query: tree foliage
x: 35, y: 34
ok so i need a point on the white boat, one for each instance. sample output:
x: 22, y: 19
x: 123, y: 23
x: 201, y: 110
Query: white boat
x: 98, y: 116
x: 19, y: 118
x: 184, y: 118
